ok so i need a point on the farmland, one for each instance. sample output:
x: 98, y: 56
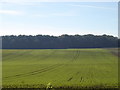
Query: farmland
x: 75, y: 68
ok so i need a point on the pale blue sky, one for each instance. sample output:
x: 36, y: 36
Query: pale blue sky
x: 56, y: 18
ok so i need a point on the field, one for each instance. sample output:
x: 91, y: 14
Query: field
x: 62, y: 68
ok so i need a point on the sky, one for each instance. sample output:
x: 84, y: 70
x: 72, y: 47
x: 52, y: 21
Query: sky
x: 57, y: 18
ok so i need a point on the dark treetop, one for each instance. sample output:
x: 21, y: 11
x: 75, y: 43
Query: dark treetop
x: 59, y: 42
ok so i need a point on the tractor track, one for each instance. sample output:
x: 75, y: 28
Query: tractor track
x: 36, y: 71
x: 73, y: 59
x: 14, y: 55
x: 33, y: 72
x: 75, y: 56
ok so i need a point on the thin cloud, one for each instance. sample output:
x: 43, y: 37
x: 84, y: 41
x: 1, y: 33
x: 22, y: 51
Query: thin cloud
x: 36, y: 4
x: 57, y: 14
x: 11, y: 12
x: 64, y: 14
x: 53, y: 14
x: 91, y: 6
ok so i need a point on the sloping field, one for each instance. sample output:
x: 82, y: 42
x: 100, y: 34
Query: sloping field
x: 75, y: 68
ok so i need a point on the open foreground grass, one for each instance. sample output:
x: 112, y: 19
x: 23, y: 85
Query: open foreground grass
x: 62, y: 68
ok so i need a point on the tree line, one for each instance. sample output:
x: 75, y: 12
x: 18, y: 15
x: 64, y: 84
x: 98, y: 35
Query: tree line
x: 59, y: 42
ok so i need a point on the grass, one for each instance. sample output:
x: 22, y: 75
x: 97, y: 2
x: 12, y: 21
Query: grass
x: 63, y: 68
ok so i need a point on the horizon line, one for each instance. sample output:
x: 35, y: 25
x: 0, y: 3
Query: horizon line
x: 59, y: 35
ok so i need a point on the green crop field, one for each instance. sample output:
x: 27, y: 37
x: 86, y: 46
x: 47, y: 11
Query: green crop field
x: 73, y: 68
